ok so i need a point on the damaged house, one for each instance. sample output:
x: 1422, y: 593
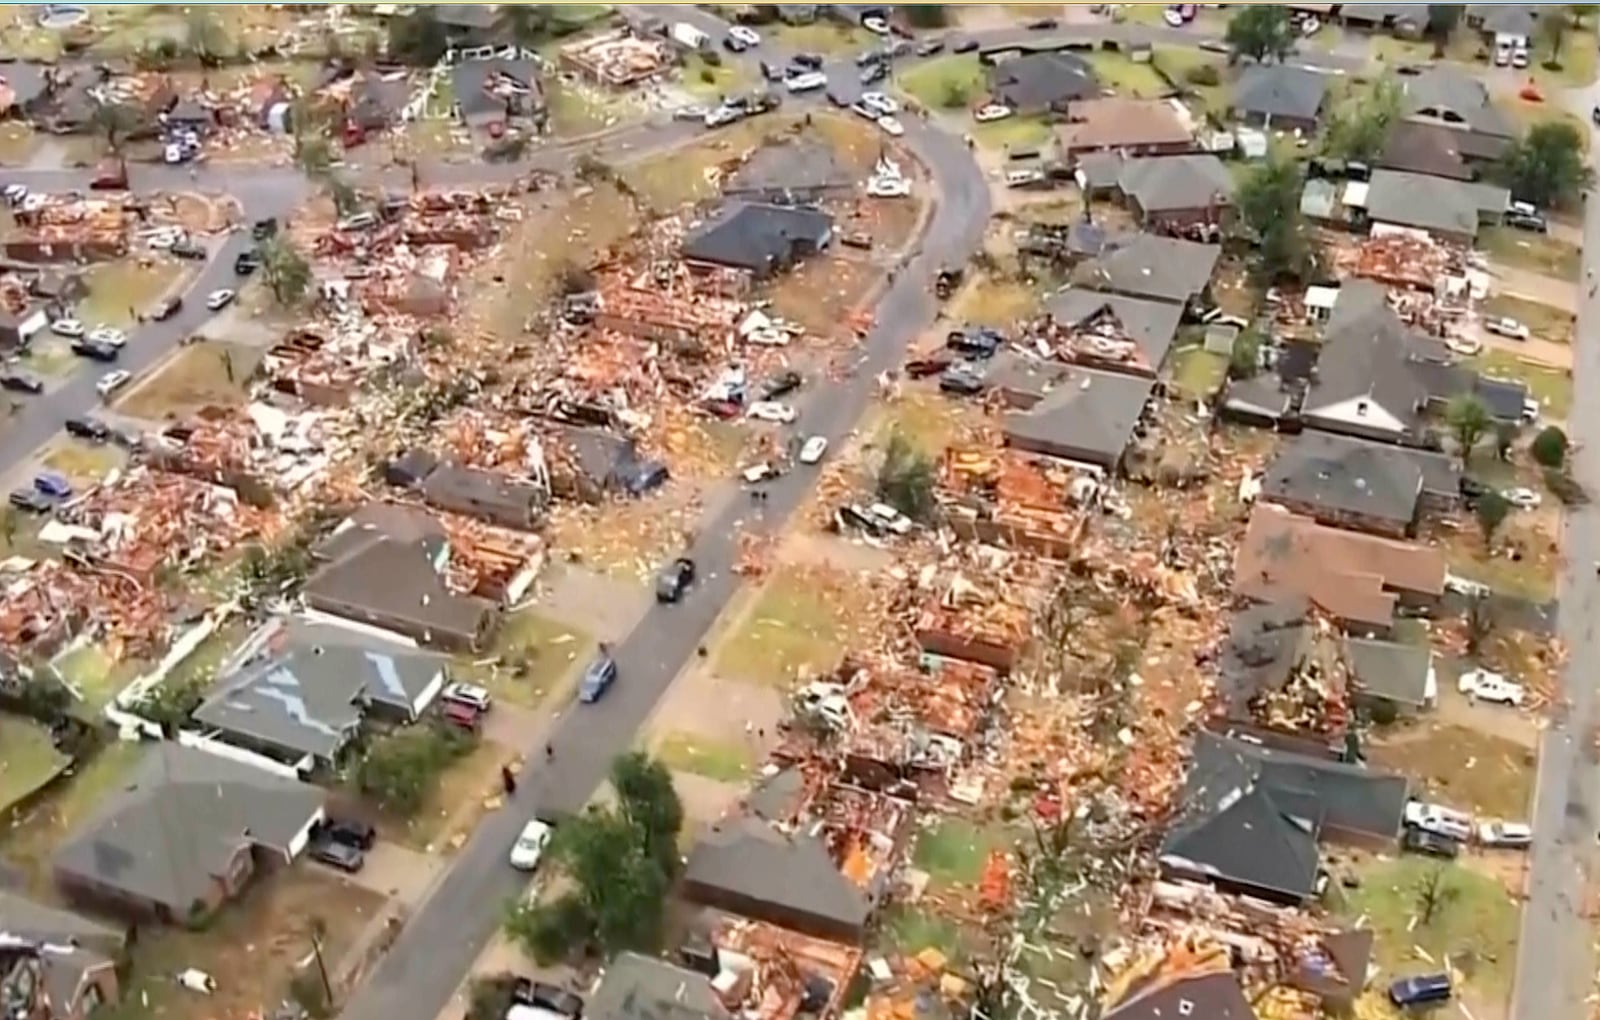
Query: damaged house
x: 1147, y: 266
x: 490, y: 93
x: 1362, y: 485
x: 1112, y: 331
x: 1282, y: 671
x: 1168, y: 193
x: 492, y: 496
x: 56, y: 964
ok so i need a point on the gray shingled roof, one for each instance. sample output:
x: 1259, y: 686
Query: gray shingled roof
x: 750, y: 859
x: 1150, y: 324
x: 73, y: 945
x: 1443, y: 93
x: 1162, y: 183
x: 1432, y: 203
x: 1389, y: 669
x: 1039, y: 80
x: 757, y: 236
x: 1086, y: 412
x: 636, y: 987
x: 1280, y: 90
x: 1257, y: 834
x: 1145, y: 265
x: 1346, y: 476
x: 179, y: 820
x: 1215, y: 996
x: 1365, y: 354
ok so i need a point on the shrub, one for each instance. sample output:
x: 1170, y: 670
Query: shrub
x: 1550, y: 447
x: 1203, y: 74
x: 1565, y: 488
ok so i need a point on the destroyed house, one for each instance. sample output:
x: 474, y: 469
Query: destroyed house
x: 916, y: 724
x: 1148, y: 266
x: 1253, y: 819
x: 1113, y: 331
x: 588, y: 463
x: 1066, y: 411
x: 759, y: 238
x: 56, y: 964
x: 765, y: 972
x: 1362, y: 485
x: 1003, y: 497
x: 488, y: 495
x: 496, y: 91
x: 1282, y: 670
x: 1358, y: 580
x: 184, y: 834
x: 637, y: 987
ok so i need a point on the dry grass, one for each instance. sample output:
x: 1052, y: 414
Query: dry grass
x: 821, y: 293
x: 208, y: 374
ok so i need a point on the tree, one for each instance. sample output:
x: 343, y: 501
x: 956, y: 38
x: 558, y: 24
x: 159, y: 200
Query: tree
x: 1581, y: 11
x: 1358, y: 131
x: 490, y: 997
x: 1549, y: 447
x: 1434, y: 892
x: 647, y: 796
x: 1480, y: 622
x: 1244, y: 361
x: 523, y: 24
x: 1492, y: 511
x: 1546, y: 167
x: 925, y: 15
x: 400, y: 768
x: 286, y: 271
x: 345, y: 197
x: 169, y: 705
x: 1469, y: 420
x: 115, y: 121
x: 1268, y: 201
x: 418, y: 38
x: 1260, y: 32
x: 954, y: 94
x: 313, y: 153
x: 906, y: 479
x: 1553, y: 25
x: 204, y: 35
x: 1442, y: 21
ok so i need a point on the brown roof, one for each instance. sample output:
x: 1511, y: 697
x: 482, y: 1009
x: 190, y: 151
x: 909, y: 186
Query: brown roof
x: 1350, y: 575
x: 1116, y: 121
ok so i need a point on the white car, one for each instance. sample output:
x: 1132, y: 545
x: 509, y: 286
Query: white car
x: 1311, y: 26
x: 1510, y: 328
x: 111, y: 382
x: 771, y: 410
x: 864, y: 111
x: 530, y: 844
x: 360, y: 221
x: 884, y: 104
x: 1173, y: 17
x: 1519, y: 57
x: 1439, y: 820
x: 891, y: 127
x: 877, y: 26
x: 109, y: 336
x: 723, y: 115
x: 14, y: 194
x: 1511, y: 835
x: 890, y: 518
x: 1523, y: 499
x: 1467, y: 347
x: 219, y: 299
x: 808, y: 82
x: 1502, y: 53
x: 745, y: 34
x: 888, y: 187
x: 70, y: 328
x: 468, y: 694
x: 1491, y: 687
x: 815, y: 447
x: 992, y: 112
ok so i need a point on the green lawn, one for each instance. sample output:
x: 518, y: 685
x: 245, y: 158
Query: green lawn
x: 577, y: 110
x: 909, y: 930
x: 708, y: 81
x: 1121, y: 73
x: 30, y: 843
x: 822, y: 37
x: 1000, y: 302
x: 28, y: 759
x: 1552, y: 387
x: 83, y: 462
x: 1199, y: 372
x: 1533, y: 114
x: 793, y: 627
x: 1543, y: 321
x: 200, y: 666
x: 954, y: 851
x: 723, y: 761
x: 537, y: 657
x: 1012, y: 133
x: 94, y: 676
x: 1177, y: 62
x: 928, y: 422
x: 1538, y: 253
x: 947, y: 83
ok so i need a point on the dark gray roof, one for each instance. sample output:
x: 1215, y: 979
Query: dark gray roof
x: 757, y: 236
x: 1280, y: 90
x: 1507, y: 19
x: 1368, y: 354
x: 749, y: 859
x: 474, y: 491
x: 796, y: 165
x: 1443, y: 94
x: 1259, y: 835
x: 306, y: 704
x: 636, y: 987
x: 1432, y: 203
x: 1389, y: 14
x: 479, y: 16
x: 1356, y: 476
x: 1263, y: 394
x: 1162, y: 183
x: 1150, y: 324
x: 1086, y: 411
x: 1389, y: 669
x: 1264, y: 643
x: 1215, y: 996
x: 1504, y: 397
x: 779, y: 797
x: 70, y: 945
x: 1038, y: 80
x: 1145, y: 265
x: 179, y: 820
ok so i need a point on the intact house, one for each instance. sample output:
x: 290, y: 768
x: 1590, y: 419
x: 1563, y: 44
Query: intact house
x: 1147, y: 266
x: 1068, y: 411
x: 1445, y: 97
x: 184, y: 834
x: 301, y: 691
x: 1504, y: 24
x: 759, y: 239
x: 386, y: 568
x: 18, y: 328
x: 1036, y: 83
x: 492, y: 94
x: 1112, y: 331
x: 1280, y: 96
x: 1252, y: 819
x: 470, y: 25
x: 1362, y: 485
x: 56, y: 964
x: 1130, y: 127
x: 638, y: 987
x: 795, y: 171
x: 1358, y: 580
x: 1168, y: 193
x: 1395, y: 674
x: 1418, y: 147
x: 1447, y: 209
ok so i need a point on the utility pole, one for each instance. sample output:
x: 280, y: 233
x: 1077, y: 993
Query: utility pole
x: 322, y: 968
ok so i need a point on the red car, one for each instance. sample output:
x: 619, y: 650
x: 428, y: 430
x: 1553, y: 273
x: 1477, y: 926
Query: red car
x: 461, y: 715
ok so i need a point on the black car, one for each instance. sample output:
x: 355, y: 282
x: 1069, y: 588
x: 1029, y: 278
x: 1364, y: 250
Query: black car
x: 189, y: 250
x: 780, y: 385
x: 528, y: 992
x: 809, y: 61
x: 1042, y: 25
x: 870, y: 57
x: 964, y: 46
x: 675, y: 580
x: 1594, y: 115
x: 922, y: 368
x: 21, y: 382
x: 975, y: 341
x: 930, y: 47
x: 338, y: 855
x: 247, y: 263
x: 734, y: 45
x: 167, y: 309
x: 350, y: 832
x: 94, y: 350
x: 874, y: 73
x: 88, y: 428
x: 1421, y: 841
x: 264, y: 229
x: 29, y: 501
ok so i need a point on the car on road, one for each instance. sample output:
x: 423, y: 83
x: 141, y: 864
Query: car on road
x: 1438, y: 819
x: 1421, y: 990
x: 21, y: 382
x: 1421, y: 841
x: 349, y: 831
x: 338, y: 855
x: 964, y: 46
x: 247, y: 262
x: 187, y: 249
x: 781, y: 385
x: 29, y: 501
x: 600, y: 674
x: 883, y: 103
x: 530, y: 844
x: 111, y: 382
x: 15, y: 194
x: 1505, y: 835
x: 721, y: 115
x: 1522, y: 499
x: 891, y: 127
x: 809, y: 61
x: 108, y: 335
x: 874, y: 73
x: 69, y: 328
x: 773, y: 411
x: 813, y: 449
x: 469, y: 694
x: 94, y: 350
x: 991, y: 112
x: 875, y: 25
x: 167, y: 309
x: 864, y: 111
x: 888, y: 187
x: 88, y: 428
x: 1173, y: 16
x: 929, y: 47
x: 808, y: 82
x: 674, y: 579
x: 49, y: 483
x: 1041, y: 24
x: 1505, y: 326
x: 219, y: 299
x: 1519, y: 57
x: 733, y: 44
x: 1465, y: 346
x: 745, y: 34
x: 1485, y: 685
x: 260, y: 230
x: 547, y: 998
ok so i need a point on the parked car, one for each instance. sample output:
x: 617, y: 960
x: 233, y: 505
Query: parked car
x: 187, y: 249
x: 94, y: 350
x: 263, y: 229
x: 247, y: 262
x: 1041, y: 25
x: 29, y: 501
x: 349, y: 831
x: 745, y: 34
x: 781, y: 385
x: 807, y: 82
x: 809, y: 61
x: 930, y: 47
x: 734, y: 44
x: 1491, y: 687
x: 21, y: 382
x: 1522, y: 498
x: 358, y: 221
x: 891, y: 127
x: 461, y: 715
x: 813, y: 449
x: 964, y: 46
x: 167, y: 308
x: 1519, y: 57
x: 111, y: 382
x: 1438, y: 819
x: 962, y: 380
x: 922, y: 368
x: 1527, y: 221
x: 338, y: 855
x: 1594, y: 116
x: 541, y: 995
x: 1506, y: 327
x: 14, y: 194
x: 889, y: 518
x: 530, y: 844
x: 1505, y: 835
x: 674, y: 580
x: 773, y: 411
x: 48, y: 483
x: 601, y: 674
x: 991, y: 112
x: 69, y: 328
x: 874, y: 73
x: 88, y: 428
x: 864, y: 111
x: 885, y: 104
x: 1420, y: 990
x: 468, y: 694
x: 1421, y: 841
x: 219, y: 299
x: 875, y: 25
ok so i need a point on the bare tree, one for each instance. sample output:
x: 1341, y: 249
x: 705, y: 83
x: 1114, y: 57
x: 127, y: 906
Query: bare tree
x: 1434, y: 893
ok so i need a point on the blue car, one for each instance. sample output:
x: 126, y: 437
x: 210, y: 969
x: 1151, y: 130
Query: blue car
x: 51, y: 484
x: 1420, y: 990
x: 596, y: 679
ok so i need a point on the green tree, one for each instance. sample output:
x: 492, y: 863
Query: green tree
x: 490, y: 997
x: 1244, y: 361
x: 1469, y: 420
x: 313, y: 153
x: 345, y: 197
x: 1552, y: 29
x: 400, y: 769
x: 925, y: 15
x: 906, y: 479
x: 115, y: 121
x: 1546, y: 167
x: 522, y: 24
x: 1442, y: 21
x: 1549, y: 447
x: 285, y: 269
x: 648, y: 798
x: 1268, y: 201
x: 1358, y: 130
x: 1480, y: 622
x: 418, y: 38
x: 1492, y: 510
x: 171, y: 704
x: 204, y: 35
x: 954, y: 94
x: 1261, y: 32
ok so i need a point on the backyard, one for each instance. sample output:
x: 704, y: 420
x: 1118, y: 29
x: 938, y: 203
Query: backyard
x: 1550, y: 386
x: 1545, y: 322
x: 533, y: 658
x: 722, y: 760
x: 30, y: 759
x: 1462, y: 767
x: 1537, y: 253
x: 34, y: 835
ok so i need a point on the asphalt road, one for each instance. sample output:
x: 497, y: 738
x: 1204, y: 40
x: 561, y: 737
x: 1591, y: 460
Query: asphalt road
x: 1555, y: 953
